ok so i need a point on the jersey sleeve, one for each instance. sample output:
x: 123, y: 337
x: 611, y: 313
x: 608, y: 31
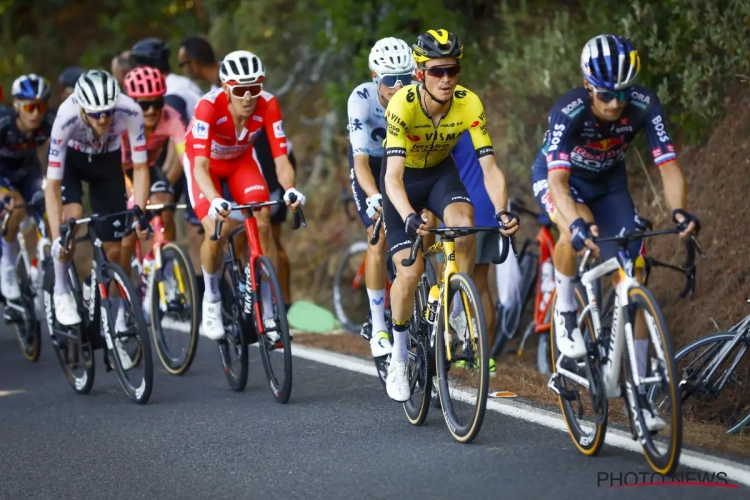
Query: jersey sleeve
x: 478, y: 126
x: 395, y: 139
x: 557, y: 144
x: 200, y: 130
x: 57, y: 146
x: 658, y: 139
x: 358, y: 109
x: 137, y: 134
x: 275, y: 128
x: 177, y: 132
x: 127, y: 157
x: 178, y: 104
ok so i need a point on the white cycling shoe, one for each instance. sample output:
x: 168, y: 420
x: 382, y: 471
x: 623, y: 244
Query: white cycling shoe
x: 9, y: 283
x: 397, y: 381
x: 212, y: 325
x: 380, y: 345
x: 66, y: 310
x: 568, y: 338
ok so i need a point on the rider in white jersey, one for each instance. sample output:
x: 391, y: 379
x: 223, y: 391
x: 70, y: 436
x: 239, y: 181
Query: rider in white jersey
x: 85, y: 147
x: 391, y: 65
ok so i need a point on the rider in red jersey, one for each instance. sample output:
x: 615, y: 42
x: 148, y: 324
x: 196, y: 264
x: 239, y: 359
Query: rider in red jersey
x: 219, y: 149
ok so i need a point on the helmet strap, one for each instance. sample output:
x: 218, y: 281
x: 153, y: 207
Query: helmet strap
x: 442, y: 103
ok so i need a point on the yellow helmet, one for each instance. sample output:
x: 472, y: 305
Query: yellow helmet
x: 437, y: 43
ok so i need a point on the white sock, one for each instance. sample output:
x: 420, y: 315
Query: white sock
x: 566, y: 298
x: 211, y: 294
x: 10, y: 251
x: 116, y: 304
x: 62, y: 285
x: 399, y: 352
x: 377, y: 308
x: 641, y: 359
x: 265, y: 296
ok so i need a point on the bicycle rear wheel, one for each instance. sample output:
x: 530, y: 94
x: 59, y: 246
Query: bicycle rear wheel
x: 463, y: 405
x: 275, y: 343
x: 233, y: 347
x: 350, y: 300
x: 131, y: 349
x: 662, y: 448
x: 585, y: 415
x: 174, y: 310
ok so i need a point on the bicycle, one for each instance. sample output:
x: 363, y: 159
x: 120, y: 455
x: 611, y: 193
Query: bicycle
x: 350, y: 299
x: 716, y: 366
x: 167, y: 268
x: 24, y: 313
x: 74, y: 345
x: 246, y: 320
x: 608, y: 345
x: 468, y: 351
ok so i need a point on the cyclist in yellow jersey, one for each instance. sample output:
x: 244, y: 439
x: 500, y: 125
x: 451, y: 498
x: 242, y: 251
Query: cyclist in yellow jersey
x: 424, y: 122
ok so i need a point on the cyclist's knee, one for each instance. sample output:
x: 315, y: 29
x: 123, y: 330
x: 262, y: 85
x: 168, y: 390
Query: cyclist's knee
x: 112, y: 249
x: 264, y: 224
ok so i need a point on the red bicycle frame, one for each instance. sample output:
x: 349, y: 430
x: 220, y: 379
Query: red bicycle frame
x: 541, y: 309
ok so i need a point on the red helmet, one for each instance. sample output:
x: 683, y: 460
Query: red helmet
x: 145, y: 82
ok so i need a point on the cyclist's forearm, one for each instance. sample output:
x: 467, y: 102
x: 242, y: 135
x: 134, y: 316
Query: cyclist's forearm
x: 675, y: 187
x: 203, y: 178
x: 364, y: 175
x: 141, y: 183
x: 53, y: 204
x: 285, y: 171
x: 494, y: 183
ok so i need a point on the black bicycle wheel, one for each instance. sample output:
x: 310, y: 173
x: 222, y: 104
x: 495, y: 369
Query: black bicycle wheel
x: 275, y: 343
x: 507, y: 320
x: 660, y: 363
x: 26, y: 324
x: 73, y: 348
x: 350, y: 301
x: 463, y: 411
x: 129, y: 351
x: 233, y: 347
x: 585, y: 415
x: 421, y: 355
x: 175, y: 318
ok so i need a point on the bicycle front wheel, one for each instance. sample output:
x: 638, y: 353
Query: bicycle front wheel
x: 275, y: 343
x: 421, y: 368
x: 662, y: 448
x: 463, y: 380
x: 174, y: 310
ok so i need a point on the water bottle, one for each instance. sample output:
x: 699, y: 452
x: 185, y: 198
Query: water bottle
x: 86, y: 288
x: 432, y: 304
x: 547, y: 285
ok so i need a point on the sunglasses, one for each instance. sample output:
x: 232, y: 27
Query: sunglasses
x: 241, y: 91
x: 157, y: 104
x: 391, y: 81
x: 440, y: 71
x: 30, y: 107
x: 605, y: 95
x: 101, y: 114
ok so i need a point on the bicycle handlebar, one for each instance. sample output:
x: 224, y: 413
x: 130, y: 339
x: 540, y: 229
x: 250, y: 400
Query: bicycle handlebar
x: 450, y: 233
x: 35, y: 206
x: 66, y: 228
x: 299, y: 217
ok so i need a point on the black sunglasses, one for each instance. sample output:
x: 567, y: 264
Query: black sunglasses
x: 157, y: 104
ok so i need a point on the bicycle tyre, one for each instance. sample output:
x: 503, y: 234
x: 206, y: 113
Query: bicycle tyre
x: 589, y: 444
x: 82, y: 383
x: 281, y: 391
x: 141, y: 392
x: 528, y: 263
x: 341, y: 290
x: 463, y: 433
x: 663, y: 464
x: 176, y: 365
x: 235, y: 339
x: 28, y: 330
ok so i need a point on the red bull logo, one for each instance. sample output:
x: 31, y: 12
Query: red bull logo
x: 605, y: 144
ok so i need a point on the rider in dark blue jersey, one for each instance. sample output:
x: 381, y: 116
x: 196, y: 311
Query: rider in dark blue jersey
x: 24, y: 129
x: 579, y: 175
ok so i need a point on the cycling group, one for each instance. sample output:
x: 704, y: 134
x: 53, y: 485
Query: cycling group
x: 412, y: 131
x: 132, y: 148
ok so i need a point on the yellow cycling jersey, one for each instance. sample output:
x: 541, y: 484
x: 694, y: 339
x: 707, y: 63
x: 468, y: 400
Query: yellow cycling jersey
x: 413, y: 135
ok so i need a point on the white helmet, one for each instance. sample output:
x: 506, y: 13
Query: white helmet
x: 30, y: 87
x: 391, y: 56
x: 242, y: 67
x: 97, y: 90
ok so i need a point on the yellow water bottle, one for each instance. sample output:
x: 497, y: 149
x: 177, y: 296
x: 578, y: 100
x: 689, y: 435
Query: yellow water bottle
x: 432, y: 304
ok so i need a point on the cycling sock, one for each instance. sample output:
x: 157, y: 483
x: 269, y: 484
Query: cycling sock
x: 400, y: 332
x: 641, y: 359
x: 377, y: 308
x: 62, y: 285
x: 9, y: 253
x: 265, y: 296
x: 211, y: 293
x: 566, y: 299
x: 115, y: 305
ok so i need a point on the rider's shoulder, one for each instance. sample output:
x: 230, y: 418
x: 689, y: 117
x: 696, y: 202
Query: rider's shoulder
x: 643, y: 97
x: 405, y: 96
x: 364, y: 91
x: 571, y: 104
x: 127, y: 106
x: 7, y: 116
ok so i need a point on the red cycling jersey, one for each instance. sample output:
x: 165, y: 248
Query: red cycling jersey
x: 212, y: 134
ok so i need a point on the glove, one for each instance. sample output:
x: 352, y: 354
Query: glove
x: 300, y: 196
x: 413, y: 221
x: 57, y: 249
x: 217, y: 205
x: 373, y: 204
x: 579, y: 233
x: 510, y: 215
x: 688, y: 219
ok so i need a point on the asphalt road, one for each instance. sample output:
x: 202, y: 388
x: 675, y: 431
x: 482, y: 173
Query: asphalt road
x: 338, y: 437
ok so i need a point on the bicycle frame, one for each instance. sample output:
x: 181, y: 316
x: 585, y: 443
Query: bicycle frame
x: 743, y: 330
x: 546, y: 251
